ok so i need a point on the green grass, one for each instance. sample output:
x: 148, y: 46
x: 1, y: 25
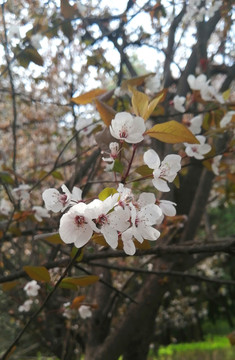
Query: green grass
x: 217, y: 342
x: 215, y: 347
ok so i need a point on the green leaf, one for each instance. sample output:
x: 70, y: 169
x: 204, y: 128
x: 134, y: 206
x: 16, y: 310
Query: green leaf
x: 28, y: 55
x: 172, y: 132
x: 67, y: 30
x: 7, y: 286
x: 226, y: 94
x: 6, y: 178
x: 79, y: 256
x: 80, y: 281
x: 57, y: 175
x: 106, y: 193
x: 38, y: 273
x: 144, y: 170
x: 69, y: 286
x: 118, y: 166
x: 54, y: 239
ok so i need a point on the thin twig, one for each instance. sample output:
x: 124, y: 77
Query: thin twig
x: 14, y: 123
x: 34, y: 316
x: 165, y: 273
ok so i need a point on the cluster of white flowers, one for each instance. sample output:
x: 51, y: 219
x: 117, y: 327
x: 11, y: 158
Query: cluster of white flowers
x: 207, y: 91
x: 21, y: 192
x: 195, y: 11
x: 153, y: 83
x: 70, y: 313
x: 119, y: 216
x: 31, y: 289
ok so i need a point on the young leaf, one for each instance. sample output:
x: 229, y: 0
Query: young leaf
x: 226, y: 94
x: 118, y: 166
x: 99, y: 239
x: 30, y: 54
x: 144, y: 170
x: 6, y: 178
x: 88, y: 97
x: 136, y: 81
x: 76, y: 303
x: 139, y: 103
x: 57, y: 175
x: 106, y: 193
x: 67, y: 11
x: 153, y: 104
x: 7, y: 286
x: 107, y: 114
x: 172, y: 132
x: 81, y: 280
x: 38, y: 273
x: 65, y: 285
x: 54, y: 239
x: 73, y: 253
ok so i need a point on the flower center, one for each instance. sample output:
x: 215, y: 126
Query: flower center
x: 79, y: 220
x: 137, y: 221
x: 123, y: 133
x: 102, y: 219
x: 194, y: 149
x: 63, y: 199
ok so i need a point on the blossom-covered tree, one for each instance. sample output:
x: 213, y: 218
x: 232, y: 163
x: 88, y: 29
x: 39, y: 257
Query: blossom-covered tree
x: 107, y: 170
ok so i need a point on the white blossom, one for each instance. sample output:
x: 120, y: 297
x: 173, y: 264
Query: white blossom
x: 120, y: 92
x: 227, y: 119
x: 198, y: 150
x: 35, y: 40
x: 196, y: 124
x: 167, y: 207
x: 127, y: 127
x: 208, y: 93
x: 32, y: 288
x: 179, y: 103
x: 21, y: 193
x: 165, y: 171
x: 108, y: 223
x: 26, y: 306
x: 55, y: 201
x: 75, y: 226
x: 153, y: 83
x: 126, y: 195
x: 114, y: 151
x: 197, y: 83
x: 40, y: 213
x: 5, y: 207
x: 142, y: 221
x: 215, y: 164
x: 13, y: 32
x: 85, y: 311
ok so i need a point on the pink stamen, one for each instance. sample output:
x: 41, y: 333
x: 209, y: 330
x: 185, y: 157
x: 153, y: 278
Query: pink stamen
x: 79, y: 220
